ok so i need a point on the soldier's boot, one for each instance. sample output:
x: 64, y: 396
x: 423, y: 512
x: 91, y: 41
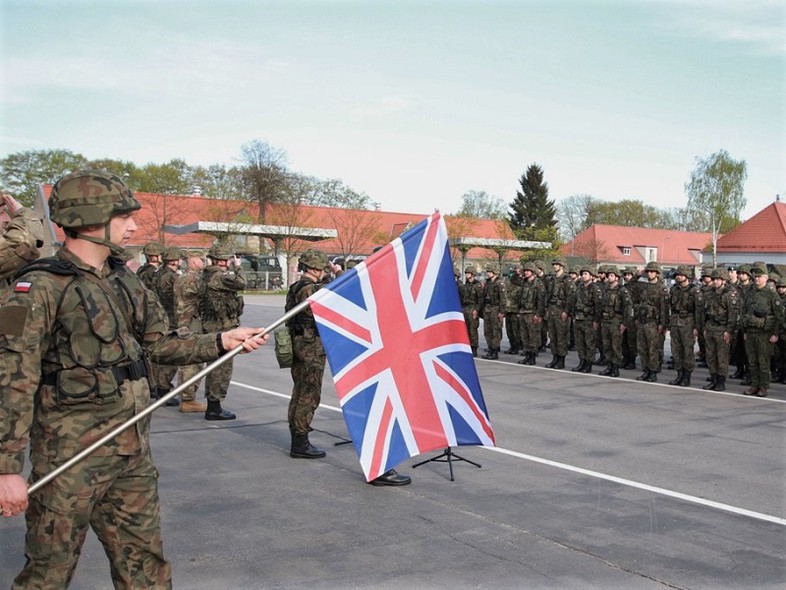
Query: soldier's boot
x: 752, y: 390
x: 526, y: 359
x: 493, y: 355
x: 188, y: 406
x: 615, y: 371
x: 587, y: 367
x: 560, y: 364
x: 474, y: 351
x: 216, y: 412
x: 172, y: 402
x: 653, y: 377
x: 644, y: 376
x: 685, y: 382
x: 489, y: 354
x: 303, y: 449
x: 580, y: 367
x: 720, y: 384
x: 739, y: 373
x: 762, y: 392
x: 553, y: 362
x: 532, y: 357
x: 678, y: 379
x: 630, y: 364
x: 713, y: 379
x: 607, y: 371
x: 746, y: 379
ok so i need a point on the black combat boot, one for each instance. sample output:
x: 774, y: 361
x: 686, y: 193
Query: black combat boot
x: 630, y: 364
x: 560, y: 364
x: 580, y: 367
x: 587, y: 367
x: 713, y: 379
x: 607, y: 371
x: 720, y: 384
x: 474, y: 351
x: 678, y: 379
x: 739, y: 373
x: 493, y: 354
x: 553, y: 362
x: 644, y: 376
x: 653, y: 377
x: 746, y: 379
x: 685, y: 382
x: 216, y: 412
x: 171, y: 403
x: 532, y: 357
x: 303, y: 449
x: 615, y: 370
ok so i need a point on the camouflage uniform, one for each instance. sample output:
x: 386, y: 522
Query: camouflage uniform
x: 558, y: 292
x: 780, y: 345
x: 308, y: 364
x: 762, y: 318
x: 615, y: 313
x: 531, y: 309
x: 147, y: 272
x: 512, y: 287
x: 492, y: 311
x: 471, y: 297
x: 164, y: 288
x: 739, y: 359
x: 74, y: 343
x: 652, y: 317
x: 19, y: 242
x: 630, y: 346
x: 187, y: 290
x: 721, y: 311
x: 583, y: 307
x: 220, y: 307
x: 687, y: 315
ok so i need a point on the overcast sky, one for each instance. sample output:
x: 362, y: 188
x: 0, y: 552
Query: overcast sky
x: 412, y: 102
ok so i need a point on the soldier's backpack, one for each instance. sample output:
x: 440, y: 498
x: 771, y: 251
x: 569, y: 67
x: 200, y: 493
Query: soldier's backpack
x: 284, y: 353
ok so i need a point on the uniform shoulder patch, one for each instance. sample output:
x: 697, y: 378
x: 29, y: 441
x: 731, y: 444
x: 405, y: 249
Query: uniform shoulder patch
x: 13, y: 319
x: 22, y: 287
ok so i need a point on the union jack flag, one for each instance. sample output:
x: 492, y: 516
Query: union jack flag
x: 399, y: 352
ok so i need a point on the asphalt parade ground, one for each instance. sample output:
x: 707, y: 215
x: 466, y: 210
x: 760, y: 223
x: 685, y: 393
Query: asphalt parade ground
x: 596, y: 483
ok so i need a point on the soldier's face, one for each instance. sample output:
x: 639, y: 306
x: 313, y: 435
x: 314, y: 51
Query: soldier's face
x: 585, y: 276
x: 717, y: 283
x: 122, y: 228
x: 760, y: 280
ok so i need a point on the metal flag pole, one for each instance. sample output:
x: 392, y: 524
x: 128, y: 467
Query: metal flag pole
x: 38, y: 484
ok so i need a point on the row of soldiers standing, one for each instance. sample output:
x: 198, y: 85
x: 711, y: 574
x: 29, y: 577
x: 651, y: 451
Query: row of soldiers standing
x: 203, y: 299
x: 622, y: 314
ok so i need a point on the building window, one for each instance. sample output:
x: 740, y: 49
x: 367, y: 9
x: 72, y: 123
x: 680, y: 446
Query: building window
x: 650, y: 254
x: 626, y: 251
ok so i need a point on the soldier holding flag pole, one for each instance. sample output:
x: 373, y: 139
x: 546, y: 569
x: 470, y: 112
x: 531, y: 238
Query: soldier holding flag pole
x: 77, y: 334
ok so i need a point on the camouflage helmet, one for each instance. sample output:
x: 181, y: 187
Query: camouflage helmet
x: 314, y: 259
x: 684, y: 271
x: 611, y: 269
x: 492, y: 267
x: 744, y: 268
x: 220, y: 252
x: 758, y: 268
x: 153, y: 249
x: 781, y: 282
x: 173, y: 253
x: 652, y: 266
x: 540, y: 265
x: 719, y: 273
x: 602, y: 268
x: 530, y: 266
x: 706, y: 271
x: 560, y: 260
x: 774, y: 276
x: 89, y: 197
x: 630, y: 270
x: 469, y: 269
x: 587, y: 268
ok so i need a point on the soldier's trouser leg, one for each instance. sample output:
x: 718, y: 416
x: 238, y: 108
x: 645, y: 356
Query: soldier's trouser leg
x: 612, y: 343
x: 682, y: 343
x: 758, y: 350
x: 585, y: 337
x: 648, y: 346
x: 558, y: 333
x: 512, y: 330
x: 165, y: 377
x: 472, y: 327
x: 217, y: 382
x: 530, y: 333
x: 189, y: 393
x: 492, y: 328
x: 118, y: 497
x: 306, y: 393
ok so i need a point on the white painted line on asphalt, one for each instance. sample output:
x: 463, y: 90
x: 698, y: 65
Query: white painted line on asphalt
x: 619, y: 480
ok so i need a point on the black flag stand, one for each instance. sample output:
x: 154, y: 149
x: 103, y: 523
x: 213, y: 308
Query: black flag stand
x: 447, y: 456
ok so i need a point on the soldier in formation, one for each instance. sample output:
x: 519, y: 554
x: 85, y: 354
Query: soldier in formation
x: 652, y: 318
x: 720, y: 311
x: 493, y: 310
x: 147, y: 272
x: 530, y: 310
x: 780, y: 346
x: 685, y: 324
x: 558, y: 291
x: 471, y: 298
x: 76, y: 333
x: 164, y: 287
x: 512, y: 287
x: 615, y: 315
x: 630, y: 347
x: 584, y: 308
x: 221, y: 306
x: 21, y: 235
x: 738, y: 355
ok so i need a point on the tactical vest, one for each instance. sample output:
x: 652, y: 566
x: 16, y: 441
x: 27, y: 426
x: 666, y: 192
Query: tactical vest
x: 300, y: 322
x: 218, y: 305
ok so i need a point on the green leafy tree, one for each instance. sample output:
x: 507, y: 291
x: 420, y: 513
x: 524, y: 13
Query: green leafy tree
x: 334, y: 193
x: 172, y: 178
x: 481, y: 205
x: 22, y: 172
x: 218, y: 181
x: 716, y: 193
x: 532, y: 208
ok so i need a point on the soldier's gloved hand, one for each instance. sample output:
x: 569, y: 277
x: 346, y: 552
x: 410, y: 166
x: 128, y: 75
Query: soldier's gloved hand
x: 245, y: 336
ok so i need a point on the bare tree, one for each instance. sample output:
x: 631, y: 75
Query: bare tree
x: 574, y: 214
x: 165, y: 210
x: 264, y: 173
x: 481, y: 205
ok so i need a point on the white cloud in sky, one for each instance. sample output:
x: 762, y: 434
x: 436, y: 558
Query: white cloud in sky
x: 382, y: 107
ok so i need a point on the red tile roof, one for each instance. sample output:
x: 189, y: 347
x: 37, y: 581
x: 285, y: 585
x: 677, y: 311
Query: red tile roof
x: 764, y: 232
x: 607, y: 243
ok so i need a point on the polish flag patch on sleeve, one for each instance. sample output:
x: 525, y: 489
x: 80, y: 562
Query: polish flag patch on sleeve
x: 23, y: 287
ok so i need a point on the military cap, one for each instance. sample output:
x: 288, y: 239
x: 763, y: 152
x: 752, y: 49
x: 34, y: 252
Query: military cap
x: 744, y: 268
x: 492, y: 267
x: 720, y: 273
x: 652, y: 266
x: 758, y: 269
x: 314, y: 259
x: 89, y: 197
x: 684, y: 270
x: 731, y: 267
x: 469, y: 269
x: 173, y: 253
x: 560, y: 260
x: 153, y: 249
